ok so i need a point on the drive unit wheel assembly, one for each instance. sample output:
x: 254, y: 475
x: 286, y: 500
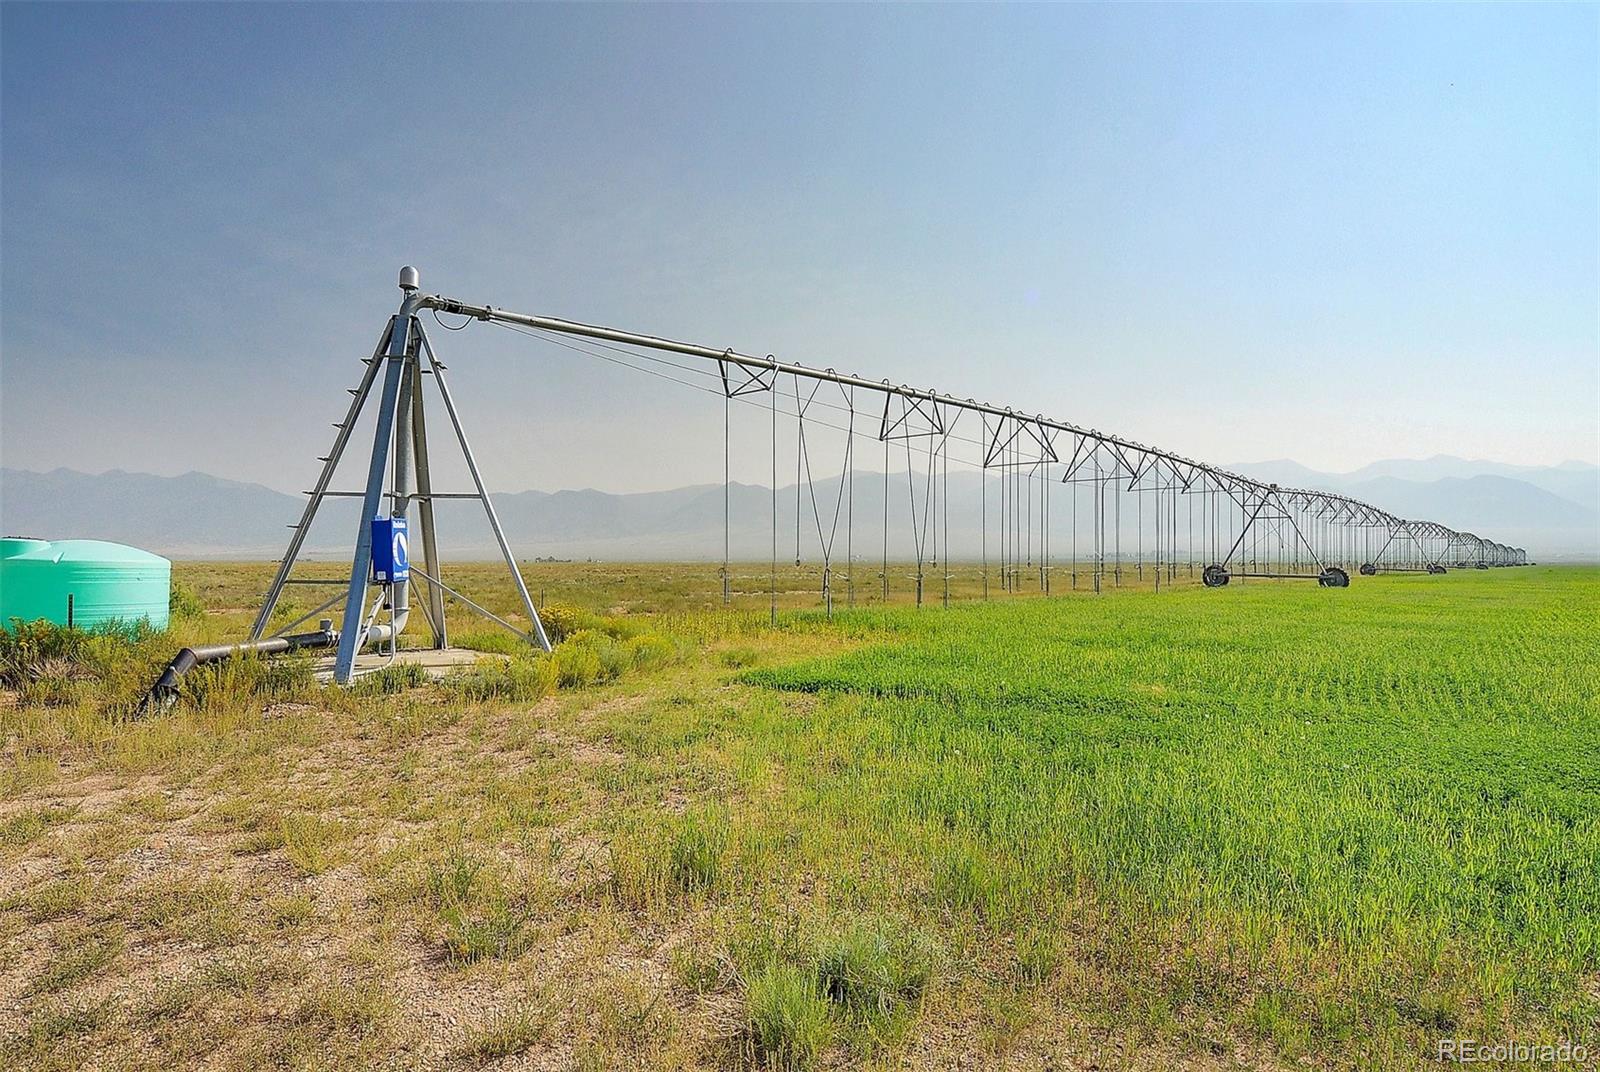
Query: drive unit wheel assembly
x: 1435, y: 568
x: 1214, y: 576
x: 1368, y: 569
x: 1333, y: 577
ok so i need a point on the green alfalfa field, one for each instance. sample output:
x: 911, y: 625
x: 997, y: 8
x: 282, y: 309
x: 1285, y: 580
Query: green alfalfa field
x: 1266, y: 826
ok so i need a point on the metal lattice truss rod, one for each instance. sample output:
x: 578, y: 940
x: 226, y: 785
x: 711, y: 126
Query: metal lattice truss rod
x: 1017, y: 440
x: 398, y: 474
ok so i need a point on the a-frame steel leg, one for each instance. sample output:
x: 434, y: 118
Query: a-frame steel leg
x: 351, y: 638
x: 329, y: 465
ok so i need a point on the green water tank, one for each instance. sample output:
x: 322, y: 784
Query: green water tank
x: 106, y: 582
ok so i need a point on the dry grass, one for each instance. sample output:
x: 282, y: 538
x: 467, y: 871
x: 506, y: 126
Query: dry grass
x: 643, y: 864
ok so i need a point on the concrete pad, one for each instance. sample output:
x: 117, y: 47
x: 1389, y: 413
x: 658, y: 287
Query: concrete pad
x: 438, y: 663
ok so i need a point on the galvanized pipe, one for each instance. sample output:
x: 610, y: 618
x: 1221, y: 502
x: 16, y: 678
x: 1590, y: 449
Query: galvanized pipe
x: 164, y: 693
x: 1228, y: 481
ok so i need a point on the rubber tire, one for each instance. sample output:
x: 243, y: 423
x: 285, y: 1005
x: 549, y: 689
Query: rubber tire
x: 1333, y: 577
x: 1214, y: 576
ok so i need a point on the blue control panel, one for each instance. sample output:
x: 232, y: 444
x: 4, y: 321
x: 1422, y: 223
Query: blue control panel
x: 391, y: 556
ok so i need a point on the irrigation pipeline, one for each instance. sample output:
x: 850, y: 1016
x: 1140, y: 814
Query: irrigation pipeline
x: 164, y: 693
x: 1279, y: 532
x: 1247, y: 528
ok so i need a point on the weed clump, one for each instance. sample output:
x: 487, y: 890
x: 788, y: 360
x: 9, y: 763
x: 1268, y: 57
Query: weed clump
x: 185, y: 603
x: 583, y: 656
x: 348, y: 1010
x: 103, y: 667
x: 491, y: 642
x: 388, y: 680
x: 698, y: 843
x: 79, y: 955
x: 233, y: 684
x: 513, y: 680
x: 965, y: 880
x: 861, y: 984
x: 676, y: 855
x: 26, y: 648
x: 871, y: 973
x: 57, y: 683
x: 58, y: 1023
x: 596, y: 656
x: 1037, y: 955
x: 312, y: 843
x: 506, y: 1034
x: 53, y: 900
x: 496, y: 930
x: 740, y: 658
x: 27, y: 826
x: 650, y: 651
x: 579, y: 661
x: 483, y: 917
x: 562, y: 620
x: 787, y: 1017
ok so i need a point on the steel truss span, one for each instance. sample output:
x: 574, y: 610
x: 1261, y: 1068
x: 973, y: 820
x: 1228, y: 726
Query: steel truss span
x: 1058, y: 502
x: 1273, y: 531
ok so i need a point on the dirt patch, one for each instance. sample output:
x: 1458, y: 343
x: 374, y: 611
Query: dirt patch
x: 577, y: 749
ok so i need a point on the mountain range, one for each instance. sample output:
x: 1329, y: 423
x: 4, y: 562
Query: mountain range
x: 1553, y: 512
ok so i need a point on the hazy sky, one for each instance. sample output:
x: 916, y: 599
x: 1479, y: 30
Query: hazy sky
x: 1335, y: 234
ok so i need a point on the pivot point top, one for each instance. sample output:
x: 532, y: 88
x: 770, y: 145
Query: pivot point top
x: 409, y: 279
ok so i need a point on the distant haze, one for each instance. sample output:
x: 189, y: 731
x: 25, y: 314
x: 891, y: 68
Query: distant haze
x: 1550, y: 511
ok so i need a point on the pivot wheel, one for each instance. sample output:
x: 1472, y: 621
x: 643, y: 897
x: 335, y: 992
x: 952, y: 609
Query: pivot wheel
x: 1214, y: 576
x: 1368, y: 569
x: 1333, y: 577
x: 1435, y: 568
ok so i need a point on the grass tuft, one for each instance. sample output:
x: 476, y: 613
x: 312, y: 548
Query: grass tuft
x: 347, y: 1010
x: 491, y: 642
x: 872, y: 971
x: 787, y: 1016
x: 30, y: 824
x: 496, y: 929
x: 517, y: 680
x: 1038, y: 955
x: 391, y: 679
x: 669, y: 855
x: 313, y: 844
x: 79, y: 955
x: 506, y: 1034
x: 699, y: 839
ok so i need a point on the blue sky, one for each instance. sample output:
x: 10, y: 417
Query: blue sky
x: 1331, y: 233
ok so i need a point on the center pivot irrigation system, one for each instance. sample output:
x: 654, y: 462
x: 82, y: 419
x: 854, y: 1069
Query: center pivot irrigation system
x: 1189, y: 512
